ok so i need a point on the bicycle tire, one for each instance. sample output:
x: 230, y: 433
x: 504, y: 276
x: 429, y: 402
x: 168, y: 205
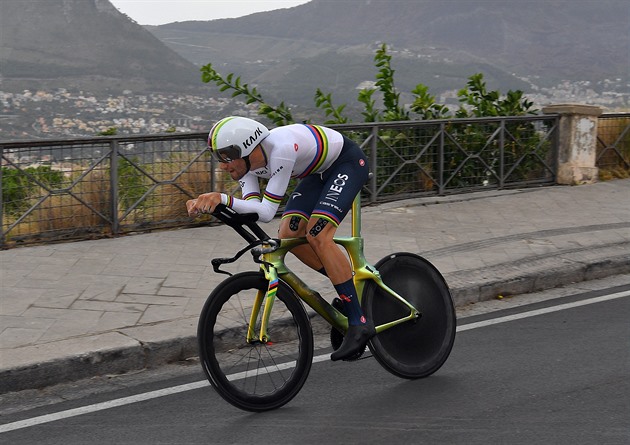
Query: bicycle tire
x: 414, y: 349
x: 254, y: 376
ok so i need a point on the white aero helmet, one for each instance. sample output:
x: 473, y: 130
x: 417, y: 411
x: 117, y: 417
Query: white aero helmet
x: 235, y: 137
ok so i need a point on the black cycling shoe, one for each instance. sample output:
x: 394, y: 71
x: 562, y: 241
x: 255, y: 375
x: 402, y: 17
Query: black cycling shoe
x: 354, y: 341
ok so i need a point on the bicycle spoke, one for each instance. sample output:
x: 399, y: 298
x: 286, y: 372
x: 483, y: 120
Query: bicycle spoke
x: 254, y: 375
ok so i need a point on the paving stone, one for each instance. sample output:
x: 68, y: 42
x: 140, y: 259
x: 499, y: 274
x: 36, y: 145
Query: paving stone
x: 15, y: 337
x: 152, y: 299
x: 56, y: 298
x: 103, y: 291
x: 16, y: 300
x: 156, y: 313
x: 110, y: 306
x: 142, y: 285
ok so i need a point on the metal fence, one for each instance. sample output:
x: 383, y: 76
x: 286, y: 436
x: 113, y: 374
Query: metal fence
x: 81, y: 188
x: 453, y: 156
x: 613, y: 145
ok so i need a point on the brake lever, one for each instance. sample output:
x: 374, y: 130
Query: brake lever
x: 217, y: 262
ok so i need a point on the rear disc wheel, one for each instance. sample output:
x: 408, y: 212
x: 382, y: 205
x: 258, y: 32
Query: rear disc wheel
x: 418, y: 348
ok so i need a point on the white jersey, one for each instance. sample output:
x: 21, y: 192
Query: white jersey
x: 292, y: 151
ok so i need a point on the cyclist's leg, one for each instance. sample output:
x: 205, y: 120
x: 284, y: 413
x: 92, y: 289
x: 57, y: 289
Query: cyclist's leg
x: 341, y: 184
x: 320, y: 233
x: 343, y: 180
x: 296, y: 215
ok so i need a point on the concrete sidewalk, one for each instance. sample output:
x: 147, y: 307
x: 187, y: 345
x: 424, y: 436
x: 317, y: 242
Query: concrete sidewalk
x: 88, y: 308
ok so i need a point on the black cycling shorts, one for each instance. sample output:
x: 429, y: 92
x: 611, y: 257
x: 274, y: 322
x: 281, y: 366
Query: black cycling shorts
x: 329, y: 195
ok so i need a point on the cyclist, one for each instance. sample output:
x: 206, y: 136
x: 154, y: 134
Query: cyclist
x: 331, y: 168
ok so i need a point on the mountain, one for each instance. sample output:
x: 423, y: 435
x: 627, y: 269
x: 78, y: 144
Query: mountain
x: 517, y: 44
x: 84, y: 44
x: 88, y: 46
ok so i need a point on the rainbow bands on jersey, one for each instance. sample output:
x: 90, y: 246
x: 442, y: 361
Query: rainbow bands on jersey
x: 229, y: 200
x: 252, y: 195
x: 322, y: 150
x: 276, y: 199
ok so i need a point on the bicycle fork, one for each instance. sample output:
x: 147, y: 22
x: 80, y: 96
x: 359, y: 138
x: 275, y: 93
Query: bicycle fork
x: 264, y: 300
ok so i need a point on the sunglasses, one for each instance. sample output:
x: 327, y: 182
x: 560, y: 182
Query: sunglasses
x: 227, y: 154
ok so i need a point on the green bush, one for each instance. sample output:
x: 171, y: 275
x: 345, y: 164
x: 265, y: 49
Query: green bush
x: 132, y: 183
x: 19, y: 185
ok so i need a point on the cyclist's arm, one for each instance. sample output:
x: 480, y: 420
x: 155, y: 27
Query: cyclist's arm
x: 271, y: 198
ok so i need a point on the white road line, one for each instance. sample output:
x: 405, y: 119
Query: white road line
x: 101, y: 406
x: 547, y: 310
x: 200, y: 384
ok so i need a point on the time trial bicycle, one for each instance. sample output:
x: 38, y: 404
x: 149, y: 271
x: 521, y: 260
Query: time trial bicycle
x: 255, y: 336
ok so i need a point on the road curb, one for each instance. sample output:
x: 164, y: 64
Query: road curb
x: 468, y: 287
x: 488, y: 288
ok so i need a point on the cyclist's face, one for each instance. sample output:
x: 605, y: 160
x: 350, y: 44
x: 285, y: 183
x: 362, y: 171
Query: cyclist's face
x: 236, y: 168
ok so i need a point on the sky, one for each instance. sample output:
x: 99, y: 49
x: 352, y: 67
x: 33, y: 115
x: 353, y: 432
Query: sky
x: 159, y: 12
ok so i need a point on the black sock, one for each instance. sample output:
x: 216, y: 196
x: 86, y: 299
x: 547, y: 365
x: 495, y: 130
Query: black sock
x: 348, y: 295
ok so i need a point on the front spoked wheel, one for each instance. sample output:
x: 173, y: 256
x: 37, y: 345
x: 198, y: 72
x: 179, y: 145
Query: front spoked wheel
x: 254, y: 375
x: 414, y: 349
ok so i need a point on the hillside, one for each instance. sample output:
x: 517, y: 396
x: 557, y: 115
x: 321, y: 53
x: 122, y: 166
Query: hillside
x: 330, y: 43
x: 84, y: 54
x: 556, y: 36
x: 84, y: 44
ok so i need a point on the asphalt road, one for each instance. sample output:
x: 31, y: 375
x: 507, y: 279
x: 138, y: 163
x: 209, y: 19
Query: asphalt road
x: 555, y: 371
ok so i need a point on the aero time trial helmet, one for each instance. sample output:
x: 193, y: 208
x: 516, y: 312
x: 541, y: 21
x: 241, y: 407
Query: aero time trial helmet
x: 235, y: 137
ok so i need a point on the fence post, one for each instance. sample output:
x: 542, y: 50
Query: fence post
x: 113, y: 185
x: 373, y: 161
x: 213, y: 176
x: 577, y: 147
x: 502, y: 155
x: 1, y: 200
x: 440, y: 175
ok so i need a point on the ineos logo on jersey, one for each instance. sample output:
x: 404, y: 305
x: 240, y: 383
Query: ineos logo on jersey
x: 253, y: 138
x: 277, y: 171
x: 295, y: 147
x: 337, y: 187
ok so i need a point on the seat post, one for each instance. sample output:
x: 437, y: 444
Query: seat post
x: 356, y: 216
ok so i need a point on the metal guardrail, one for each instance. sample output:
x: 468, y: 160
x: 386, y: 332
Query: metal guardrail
x: 80, y: 188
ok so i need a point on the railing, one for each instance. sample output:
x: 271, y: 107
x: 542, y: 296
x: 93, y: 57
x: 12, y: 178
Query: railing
x: 459, y: 155
x: 613, y: 145
x: 81, y: 188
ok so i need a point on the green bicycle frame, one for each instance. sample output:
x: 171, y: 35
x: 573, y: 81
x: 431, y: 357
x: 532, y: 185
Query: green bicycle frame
x: 275, y: 269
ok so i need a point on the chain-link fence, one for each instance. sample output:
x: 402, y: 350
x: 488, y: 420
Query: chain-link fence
x: 72, y: 189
